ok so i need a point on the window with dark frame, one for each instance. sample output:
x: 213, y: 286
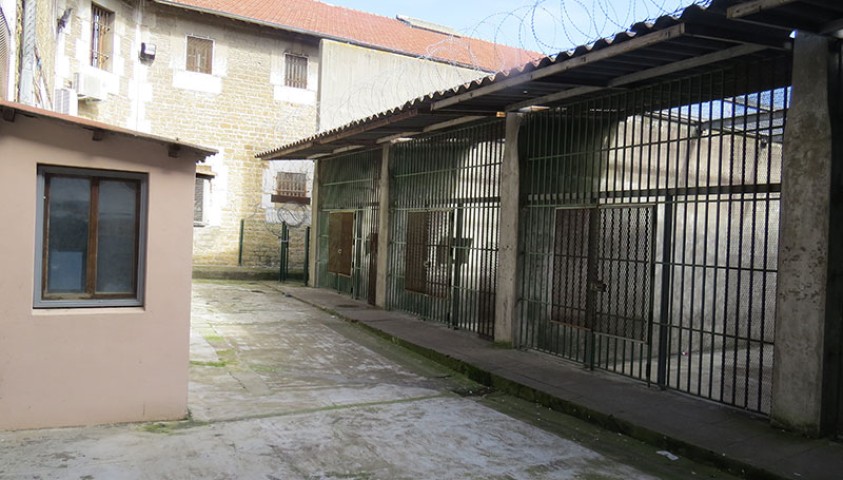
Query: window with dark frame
x: 102, y: 38
x: 295, y: 71
x: 199, y: 200
x: 91, y: 232
x: 200, y: 54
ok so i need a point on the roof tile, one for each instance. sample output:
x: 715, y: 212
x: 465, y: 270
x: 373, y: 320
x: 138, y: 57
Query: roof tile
x: 369, y: 29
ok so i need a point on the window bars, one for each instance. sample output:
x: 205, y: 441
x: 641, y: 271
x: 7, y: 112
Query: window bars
x: 200, y: 55
x: 102, y: 23
x: 295, y: 71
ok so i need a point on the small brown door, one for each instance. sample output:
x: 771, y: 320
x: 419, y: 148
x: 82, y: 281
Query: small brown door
x: 340, y: 243
x: 428, y: 260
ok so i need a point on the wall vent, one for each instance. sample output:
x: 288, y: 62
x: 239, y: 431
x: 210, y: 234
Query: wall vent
x: 67, y: 102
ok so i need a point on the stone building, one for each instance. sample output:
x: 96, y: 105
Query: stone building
x: 238, y: 77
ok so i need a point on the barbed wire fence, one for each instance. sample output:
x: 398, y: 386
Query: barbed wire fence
x: 538, y: 28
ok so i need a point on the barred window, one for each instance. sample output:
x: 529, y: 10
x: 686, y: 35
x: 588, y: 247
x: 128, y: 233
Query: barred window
x: 200, y: 54
x: 290, y: 184
x: 199, y: 200
x: 102, y: 43
x: 295, y: 71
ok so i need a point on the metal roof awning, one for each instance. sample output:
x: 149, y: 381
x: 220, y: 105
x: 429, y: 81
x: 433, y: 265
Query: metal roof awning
x: 822, y: 17
x: 697, y: 40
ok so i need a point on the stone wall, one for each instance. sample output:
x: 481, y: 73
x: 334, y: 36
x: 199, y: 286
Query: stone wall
x: 241, y: 108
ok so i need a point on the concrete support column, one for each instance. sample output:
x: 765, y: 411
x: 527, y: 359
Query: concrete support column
x: 314, y: 225
x: 383, y: 229
x: 509, y: 258
x: 799, y: 384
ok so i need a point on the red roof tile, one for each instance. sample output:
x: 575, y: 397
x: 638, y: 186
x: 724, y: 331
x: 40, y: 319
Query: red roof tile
x: 322, y: 19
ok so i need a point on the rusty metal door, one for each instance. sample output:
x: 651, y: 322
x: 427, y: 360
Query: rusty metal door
x: 340, y: 243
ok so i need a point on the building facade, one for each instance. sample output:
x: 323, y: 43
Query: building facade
x: 236, y: 76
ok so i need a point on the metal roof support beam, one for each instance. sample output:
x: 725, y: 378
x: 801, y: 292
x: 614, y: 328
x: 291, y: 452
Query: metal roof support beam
x: 566, y: 65
x: 750, y: 8
x: 675, y: 67
x: 431, y: 128
x: 331, y: 138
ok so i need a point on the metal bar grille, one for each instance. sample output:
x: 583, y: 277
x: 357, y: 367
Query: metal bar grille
x: 102, y: 22
x: 675, y: 282
x: 200, y: 55
x: 444, y: 226
x: 295, y: 71
x: 349, y: 184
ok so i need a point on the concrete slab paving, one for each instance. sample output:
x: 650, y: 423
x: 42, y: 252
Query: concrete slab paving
x: 282, y: 390
x: 737, y: 441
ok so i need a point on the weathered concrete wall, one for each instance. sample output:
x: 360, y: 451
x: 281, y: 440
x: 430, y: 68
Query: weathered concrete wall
x: 358, y: 82
x: 75, y: 366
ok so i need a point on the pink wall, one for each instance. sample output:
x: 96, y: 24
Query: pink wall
x: 81, y: 366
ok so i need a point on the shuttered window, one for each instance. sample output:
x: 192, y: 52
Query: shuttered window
x: 102, y: 25
x: 295, y: 71
x: 200, y: 54
x: 5, y: 57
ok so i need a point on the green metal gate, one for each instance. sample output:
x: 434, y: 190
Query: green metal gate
x: 348, y: 223
x: 444, y: 200
x: 650, y: 231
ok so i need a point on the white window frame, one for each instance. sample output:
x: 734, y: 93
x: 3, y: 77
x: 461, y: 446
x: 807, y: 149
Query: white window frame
x: 40, y: 223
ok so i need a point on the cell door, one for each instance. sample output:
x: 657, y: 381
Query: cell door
x: 428, y: 265
x: 340, y: 243
x: 603, y: 273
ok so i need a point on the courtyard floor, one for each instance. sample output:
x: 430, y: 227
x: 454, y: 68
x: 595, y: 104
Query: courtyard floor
x: 282, y: 390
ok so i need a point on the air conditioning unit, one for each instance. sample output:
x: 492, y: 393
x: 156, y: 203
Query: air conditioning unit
x: 90, y: 86
x: 67, y: 102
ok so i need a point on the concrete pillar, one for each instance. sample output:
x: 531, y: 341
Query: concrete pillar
x: 314, y: 225
x: 509, y: 258
x: 800, y: 388
x: 383, y: 230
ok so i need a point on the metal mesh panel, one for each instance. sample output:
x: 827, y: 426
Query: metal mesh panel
x: 623, y: 272
x: 445, y: 270
x: 349, y: 184
x: 570, y: 267
x: 681, y: 258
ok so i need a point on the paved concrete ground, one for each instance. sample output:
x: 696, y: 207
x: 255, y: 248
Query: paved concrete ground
x: 281, y: 390
x: 715, y: 434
